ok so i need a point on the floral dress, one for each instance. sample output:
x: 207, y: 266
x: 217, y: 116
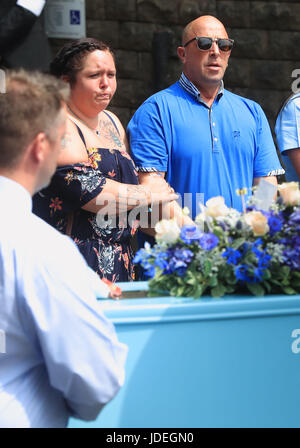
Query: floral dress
x: 103, y: 241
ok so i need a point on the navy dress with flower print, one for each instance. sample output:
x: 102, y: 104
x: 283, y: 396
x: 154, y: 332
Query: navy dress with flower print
x: 103, y: 241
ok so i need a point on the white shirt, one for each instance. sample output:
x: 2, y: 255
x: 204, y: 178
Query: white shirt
x: 287, y: 129
x: 62, y: 356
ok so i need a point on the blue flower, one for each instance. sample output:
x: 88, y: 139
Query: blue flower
x: 257, y: 275
x: 161, y: 263
x: 294, y: 221
x: 291, y: 254
x: 275, y: 224
x: 149, y: 271
x: 248, y: 274
x: 208, y: 241
x: 241, y: 273
x: 177, y: 266
x: 139, y: 256
x: 161, y: 260
x: 264, y: 260
x: 179, y: 259
x: 233, y: 256
x: 189, y: 234
x: 185, y: 255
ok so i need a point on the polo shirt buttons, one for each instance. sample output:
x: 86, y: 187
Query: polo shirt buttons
x: 215, y: 139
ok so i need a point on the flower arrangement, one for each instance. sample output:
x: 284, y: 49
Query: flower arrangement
x: 226, y: 251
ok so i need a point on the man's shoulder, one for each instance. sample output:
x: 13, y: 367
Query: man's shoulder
x: 48, y: 236
x: 239, y: 100
x: 164, y: 95
x: 31, y: 233
x: 292, y: 100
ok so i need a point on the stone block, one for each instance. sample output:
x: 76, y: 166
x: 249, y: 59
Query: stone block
x: 56, y: 44
x: 191, y: 9
x: 250, y: 43
x: 234, y: 13
x: 284, y: 45
x: 134, y: 65
x: 136, y: 36
x: 127, y: 63
x: 175, y: 39
x: 131, y: 93
x: 238, y: 73
x: 94, y: 9
x: 157, y: 11
x: 145, y: 66
x: 174, y: 71
x: 269, y: 74
x: 120, y: 10
x: 275, y: 15
x: 106, y: 31
x: 123, y: 113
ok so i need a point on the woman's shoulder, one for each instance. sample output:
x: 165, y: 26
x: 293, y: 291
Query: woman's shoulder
x: 112, y: 118
x: 74, y: 151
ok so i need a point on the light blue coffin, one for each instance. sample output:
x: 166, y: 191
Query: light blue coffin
x: 230, y: 362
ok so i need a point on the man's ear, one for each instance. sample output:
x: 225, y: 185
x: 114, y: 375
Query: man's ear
x: 181, y: 53
x: 39, y: 147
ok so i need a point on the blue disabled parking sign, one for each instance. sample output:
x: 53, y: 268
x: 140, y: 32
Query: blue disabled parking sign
x: 74, y: 17
x: 65, y: 19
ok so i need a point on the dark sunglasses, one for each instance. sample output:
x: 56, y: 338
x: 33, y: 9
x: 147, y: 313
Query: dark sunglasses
x: 205, y: 43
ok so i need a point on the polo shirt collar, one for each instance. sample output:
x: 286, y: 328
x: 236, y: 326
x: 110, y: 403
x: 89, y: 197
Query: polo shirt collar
x: 189, y: 87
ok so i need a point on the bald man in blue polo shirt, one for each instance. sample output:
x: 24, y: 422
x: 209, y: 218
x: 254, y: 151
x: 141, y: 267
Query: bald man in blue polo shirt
x: 205, y: 140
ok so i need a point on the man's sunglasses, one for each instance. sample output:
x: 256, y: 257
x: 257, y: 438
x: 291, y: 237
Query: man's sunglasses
x: 205, y: 43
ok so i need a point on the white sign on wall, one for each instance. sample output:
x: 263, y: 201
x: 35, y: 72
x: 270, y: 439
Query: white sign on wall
x: 65, y: 19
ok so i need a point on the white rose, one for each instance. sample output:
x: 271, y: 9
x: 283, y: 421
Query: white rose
x: 216, y: 207
x: 258, y: 222
x: 290, y: 193
x: 167, y: 230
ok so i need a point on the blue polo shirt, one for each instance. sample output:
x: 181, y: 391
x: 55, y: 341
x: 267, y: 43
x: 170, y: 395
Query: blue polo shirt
x: 287, y: 131
x: 204, y: 151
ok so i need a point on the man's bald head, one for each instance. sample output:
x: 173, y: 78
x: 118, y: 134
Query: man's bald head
x: 204, y: 23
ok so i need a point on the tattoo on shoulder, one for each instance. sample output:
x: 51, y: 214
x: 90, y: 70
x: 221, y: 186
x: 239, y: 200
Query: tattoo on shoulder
x: 109, y: 132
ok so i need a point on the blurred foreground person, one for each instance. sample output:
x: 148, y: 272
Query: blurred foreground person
x: 59, y: 355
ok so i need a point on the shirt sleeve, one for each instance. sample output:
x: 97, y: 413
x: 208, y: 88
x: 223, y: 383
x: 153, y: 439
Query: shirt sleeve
x: 147, y: 137
x: 78, y: 344
x: 287, y: 126
x: 34, y: 6
x: 73, y: 186
x: 266, y: 161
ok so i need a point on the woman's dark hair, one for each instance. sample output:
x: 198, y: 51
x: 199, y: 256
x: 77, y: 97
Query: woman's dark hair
x: 69, y: 59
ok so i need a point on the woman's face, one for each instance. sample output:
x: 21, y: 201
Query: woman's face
x: 95, y: 84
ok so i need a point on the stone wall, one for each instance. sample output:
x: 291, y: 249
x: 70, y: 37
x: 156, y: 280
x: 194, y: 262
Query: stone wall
x: 146, y: 33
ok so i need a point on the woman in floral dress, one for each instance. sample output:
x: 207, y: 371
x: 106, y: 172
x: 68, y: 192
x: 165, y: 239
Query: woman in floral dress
x: 95, y: 183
